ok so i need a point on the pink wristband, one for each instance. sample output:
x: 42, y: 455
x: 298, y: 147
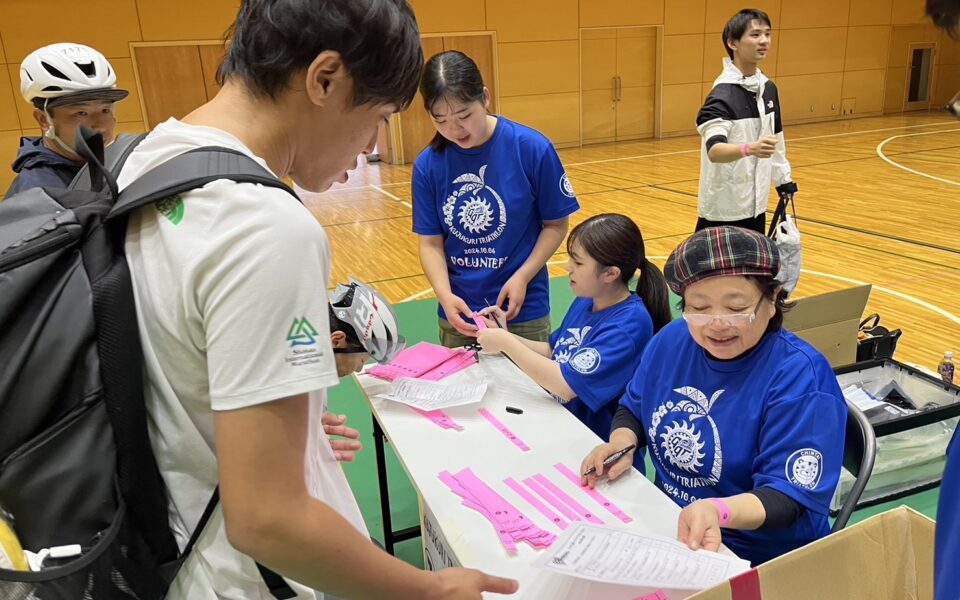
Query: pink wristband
x: 724, y: 510
x: 743, y: 149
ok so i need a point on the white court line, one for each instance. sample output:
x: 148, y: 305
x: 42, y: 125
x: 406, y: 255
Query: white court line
x: 791, y: 140
x: 383, y: 191
x: 908, y: 169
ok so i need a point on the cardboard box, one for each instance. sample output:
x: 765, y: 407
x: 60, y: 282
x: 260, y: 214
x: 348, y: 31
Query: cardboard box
x: 829, y: 322
x: 887, y: 557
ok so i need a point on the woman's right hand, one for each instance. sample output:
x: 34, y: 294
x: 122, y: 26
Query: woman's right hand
x: 454, y: 308
x: 595, y: 459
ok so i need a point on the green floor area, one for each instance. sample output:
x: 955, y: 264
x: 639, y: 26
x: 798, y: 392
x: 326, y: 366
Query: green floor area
x: 418, y: 323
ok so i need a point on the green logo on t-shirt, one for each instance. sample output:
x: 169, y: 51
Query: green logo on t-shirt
x: 171, y: 208
x: 301, y: 333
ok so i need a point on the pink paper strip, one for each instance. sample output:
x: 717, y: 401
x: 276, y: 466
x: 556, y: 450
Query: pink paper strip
x: 440, y: 418
x: 657, y: 595
x: 457, y: 363
x: 481, y: 324
x: 600, y: 498
x: 555, y: 502
x: 581, y: 509
x: 532, y: 501
x: 504, y: 430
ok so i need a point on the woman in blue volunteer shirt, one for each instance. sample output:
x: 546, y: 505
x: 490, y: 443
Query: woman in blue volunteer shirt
x: 744, y: 421
x: 593, y: 354
x: 946, y: 574
x: 491, y: 204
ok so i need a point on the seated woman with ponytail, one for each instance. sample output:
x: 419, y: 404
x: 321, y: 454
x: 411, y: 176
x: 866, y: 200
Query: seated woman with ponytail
x: 592, y: 356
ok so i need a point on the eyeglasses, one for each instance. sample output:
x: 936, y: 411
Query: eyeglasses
x: 352, y: 350
x: 731, y: 320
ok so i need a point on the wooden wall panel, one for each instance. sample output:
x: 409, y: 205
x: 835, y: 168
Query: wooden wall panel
x: 948, y: 84
x: 480, y: 49
x: 24, y: 110
x: 637, y: 56
x: 205, y: 20
x: 107, y: 25
x: 894, y: 84
x: 683, y: 16
x: 533, y: 20
x: 810, y: 96
x: 813, y: 14
x: 3, y: 53
x: 680, y: 103
x: 808, y: 51
x: 556, y: 116
x: 949, y: 50
x: 870, y: 12
x: 164, y: 68
x: 211, y: 55
x: 621, y: 13
x: 719, y: 12
x: 866, y: 87
x: 538, y: 67
x: 438, y: 16
x: 867, y: 48
x: 415, y: 123
x: 9, y: 96
x: 599, y: 121
x: 598, y: 58
x: 713, y: 55
x: 128, y: 109
x: 682, y: 58
x: 905, y: 12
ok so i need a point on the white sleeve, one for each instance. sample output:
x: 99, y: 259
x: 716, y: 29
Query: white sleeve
x: 261, y: 288
x: 779, y: 163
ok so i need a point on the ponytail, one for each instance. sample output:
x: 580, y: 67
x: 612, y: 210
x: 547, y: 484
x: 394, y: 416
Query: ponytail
x: 652, y: 289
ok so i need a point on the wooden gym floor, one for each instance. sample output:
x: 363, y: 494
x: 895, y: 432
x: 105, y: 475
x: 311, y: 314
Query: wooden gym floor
x: 878, y: 203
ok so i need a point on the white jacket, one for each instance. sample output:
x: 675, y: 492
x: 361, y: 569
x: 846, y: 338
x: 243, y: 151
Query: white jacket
x: 731, y: 113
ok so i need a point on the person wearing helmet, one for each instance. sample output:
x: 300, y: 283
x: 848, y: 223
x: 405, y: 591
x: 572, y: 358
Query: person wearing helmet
x: 68, y: 85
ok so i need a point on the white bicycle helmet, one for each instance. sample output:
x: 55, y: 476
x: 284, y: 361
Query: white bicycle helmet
x: 67, y: 73
x: 370, y: 316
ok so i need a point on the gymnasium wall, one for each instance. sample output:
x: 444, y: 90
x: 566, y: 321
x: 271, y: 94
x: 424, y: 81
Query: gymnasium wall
x: 826, y: 53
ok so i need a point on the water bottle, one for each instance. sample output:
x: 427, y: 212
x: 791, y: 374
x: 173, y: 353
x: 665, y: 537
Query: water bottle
x: 946, y: 367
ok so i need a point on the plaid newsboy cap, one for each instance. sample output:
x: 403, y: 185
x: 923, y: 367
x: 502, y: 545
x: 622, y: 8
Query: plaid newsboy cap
x: 721, y: 251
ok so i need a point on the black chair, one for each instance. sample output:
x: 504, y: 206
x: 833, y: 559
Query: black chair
x: 859, y: 454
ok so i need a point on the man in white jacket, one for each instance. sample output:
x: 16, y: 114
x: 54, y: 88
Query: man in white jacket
x: 743, y: 147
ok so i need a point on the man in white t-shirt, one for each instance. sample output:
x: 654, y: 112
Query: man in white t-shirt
x: 230, y: 285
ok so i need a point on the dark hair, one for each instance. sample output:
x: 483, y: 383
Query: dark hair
x: 614, y: 240
x: 450, y: 74
x: 768, y: 287
x: 378, y: 40
x: 945, y: 14
x: 338, y: 325
x: 738, y: 24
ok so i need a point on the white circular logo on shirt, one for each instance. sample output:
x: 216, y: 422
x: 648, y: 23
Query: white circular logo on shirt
x: 586, y: 361
x: 804, y: 467
x: 565, y: 186
x: 474, y: 212
x: 682, y: 446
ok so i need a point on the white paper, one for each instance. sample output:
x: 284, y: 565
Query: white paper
x: 621, y: 556
x: 864, y: 401
x: 432, y: 395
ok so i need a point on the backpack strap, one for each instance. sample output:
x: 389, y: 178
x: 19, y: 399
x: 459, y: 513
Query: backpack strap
x: 191, y: 170
x: 188, y: 171
x: 114, y: 157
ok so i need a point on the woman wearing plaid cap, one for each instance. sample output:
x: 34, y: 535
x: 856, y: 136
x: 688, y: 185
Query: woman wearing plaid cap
x: 744, y: 421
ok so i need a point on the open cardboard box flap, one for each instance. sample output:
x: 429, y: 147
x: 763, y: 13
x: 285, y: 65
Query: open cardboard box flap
x: 829, y: 322
x: 886, y: 557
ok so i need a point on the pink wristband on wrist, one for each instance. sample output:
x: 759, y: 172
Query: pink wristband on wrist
x: 743, y: 149
x: 724, y: 510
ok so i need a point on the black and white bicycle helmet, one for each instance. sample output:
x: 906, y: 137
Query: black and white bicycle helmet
x: 370, y: 316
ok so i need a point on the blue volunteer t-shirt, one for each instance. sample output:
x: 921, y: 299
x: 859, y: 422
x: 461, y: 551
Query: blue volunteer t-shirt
x: 773, y: 418
x: 946, y: 575
x: 598, y: 353
x: 489, y: 204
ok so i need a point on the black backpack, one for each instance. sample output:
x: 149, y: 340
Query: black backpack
x: 76, y: 465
